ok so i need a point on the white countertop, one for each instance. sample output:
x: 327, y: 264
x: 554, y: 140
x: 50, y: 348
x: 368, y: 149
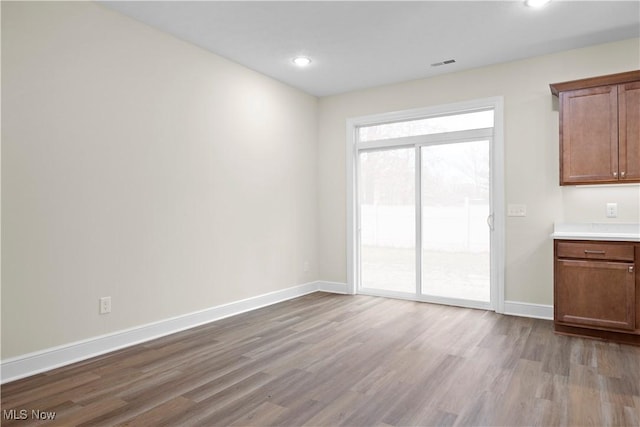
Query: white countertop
x: 596, y: 231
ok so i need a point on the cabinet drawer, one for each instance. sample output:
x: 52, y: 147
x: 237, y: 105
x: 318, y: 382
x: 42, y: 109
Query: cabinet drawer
x: 595, y: 250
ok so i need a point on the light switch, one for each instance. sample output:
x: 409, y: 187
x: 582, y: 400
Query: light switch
x: 516, y: 210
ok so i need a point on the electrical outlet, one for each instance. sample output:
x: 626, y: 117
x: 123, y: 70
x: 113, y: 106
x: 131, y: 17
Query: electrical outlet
x: 516, y: 210
x: 612, y: 210
x: 105, y: 305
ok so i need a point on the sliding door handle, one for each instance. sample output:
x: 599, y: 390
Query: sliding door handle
x: 490, y: 221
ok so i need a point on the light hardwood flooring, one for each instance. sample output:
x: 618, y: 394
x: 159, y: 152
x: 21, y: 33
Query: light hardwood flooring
x: 332, y: 360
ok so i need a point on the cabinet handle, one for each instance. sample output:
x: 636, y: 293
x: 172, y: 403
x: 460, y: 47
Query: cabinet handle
x: 622, y: 174
x: 588, y: 252
x: 631, y: 269
x: 615, y: 174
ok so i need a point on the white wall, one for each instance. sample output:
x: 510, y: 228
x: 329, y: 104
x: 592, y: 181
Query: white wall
x: 140, y: 167
x: 531, y: 153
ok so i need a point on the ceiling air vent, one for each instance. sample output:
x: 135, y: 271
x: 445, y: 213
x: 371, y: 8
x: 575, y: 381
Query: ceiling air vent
x: 447, y: 62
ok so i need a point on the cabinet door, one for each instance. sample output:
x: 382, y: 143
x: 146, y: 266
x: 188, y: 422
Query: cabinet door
x: 589, y: 135
x: 629, y: 129
x: 595, y: 293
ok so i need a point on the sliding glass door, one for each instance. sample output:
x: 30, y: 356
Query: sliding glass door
x: 424, y: 210
x: 388, y: 220
x: 455, y: 207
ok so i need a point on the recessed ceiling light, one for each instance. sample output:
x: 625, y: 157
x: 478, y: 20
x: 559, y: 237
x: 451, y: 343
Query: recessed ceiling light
x: 536, y: 3
x: 301, y: 61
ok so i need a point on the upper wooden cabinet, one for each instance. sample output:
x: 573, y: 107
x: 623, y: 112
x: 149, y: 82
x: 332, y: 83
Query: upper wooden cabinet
x: 600, y: 129
x: 629, y: 119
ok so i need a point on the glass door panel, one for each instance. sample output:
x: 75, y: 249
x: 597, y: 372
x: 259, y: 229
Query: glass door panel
x: 387, y: 220
x: 455, y: 206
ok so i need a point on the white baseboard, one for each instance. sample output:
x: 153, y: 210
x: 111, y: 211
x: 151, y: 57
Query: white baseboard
x: 44, y: 360
x: 525, y: 309
x: 333, y: 287
x: 511, y: 308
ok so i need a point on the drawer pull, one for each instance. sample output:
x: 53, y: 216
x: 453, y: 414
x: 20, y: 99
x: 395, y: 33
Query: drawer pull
x: 631, y: 269
x: 588, y: 252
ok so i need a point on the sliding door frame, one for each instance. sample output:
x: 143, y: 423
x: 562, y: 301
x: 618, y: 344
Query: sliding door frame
x: 496, y: 138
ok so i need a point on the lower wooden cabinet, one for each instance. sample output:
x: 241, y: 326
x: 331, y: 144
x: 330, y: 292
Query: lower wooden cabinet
x: 595, y: 293
x: 596, y: 287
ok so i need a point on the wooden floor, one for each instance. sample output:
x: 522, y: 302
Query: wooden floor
x: 331, y: 360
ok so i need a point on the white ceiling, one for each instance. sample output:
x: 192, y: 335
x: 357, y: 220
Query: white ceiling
x: 361, y: 44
